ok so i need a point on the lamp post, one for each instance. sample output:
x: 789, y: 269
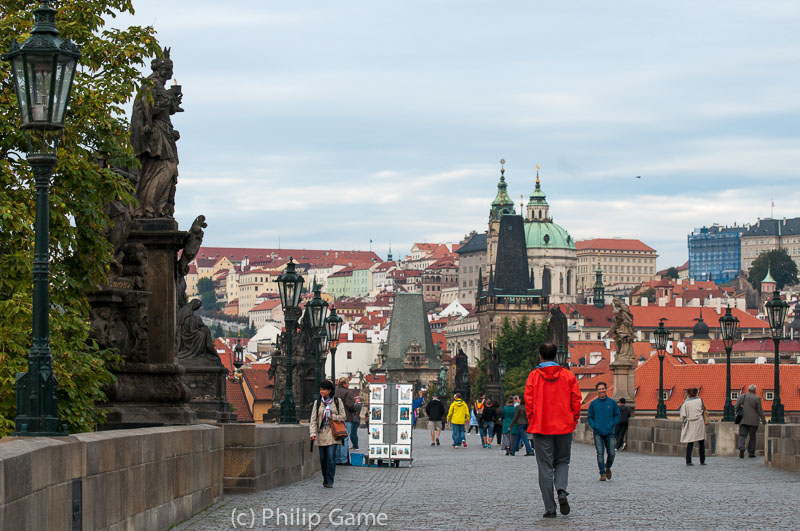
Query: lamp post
x: 43, y: 68
x: 661, y: 336
x: 501, y: 371
x: 317, y: 308
x: 333, y: 325
x: 776, y: 313
x: 730, y: 328
x: 238, y: 355
x: 290, y: 286
x: 561, y: 355
x: 324, y: 345
x: 442, y: 383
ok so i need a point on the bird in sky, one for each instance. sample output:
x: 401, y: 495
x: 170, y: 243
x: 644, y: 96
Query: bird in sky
x: 638, y: 176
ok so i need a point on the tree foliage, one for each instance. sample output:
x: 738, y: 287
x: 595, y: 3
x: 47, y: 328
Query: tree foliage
x: 205, y: 290
x: 106, y: 80
x: 672, y: 273
x: 779, y: 264
x: 518, y: 344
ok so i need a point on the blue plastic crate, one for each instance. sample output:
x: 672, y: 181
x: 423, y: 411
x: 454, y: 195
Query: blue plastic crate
x: 357, y: 459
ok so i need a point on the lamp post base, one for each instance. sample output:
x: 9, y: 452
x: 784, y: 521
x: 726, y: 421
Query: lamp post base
x: 661, y: 411
x: 288, y: 410
x: 777, y: 412
x: 728, y: 413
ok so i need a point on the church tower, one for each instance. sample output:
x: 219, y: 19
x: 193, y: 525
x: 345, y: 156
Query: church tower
x: 501, y: 206
x: 538, y: 211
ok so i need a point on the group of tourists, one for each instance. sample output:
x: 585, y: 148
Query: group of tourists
x: 549, y: 413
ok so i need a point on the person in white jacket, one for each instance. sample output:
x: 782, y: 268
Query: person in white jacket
x: 694, y: 425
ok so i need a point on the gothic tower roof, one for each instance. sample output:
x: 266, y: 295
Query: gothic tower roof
x: 409, y: 325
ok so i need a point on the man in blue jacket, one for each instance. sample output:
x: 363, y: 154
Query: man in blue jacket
x: 603, y: 417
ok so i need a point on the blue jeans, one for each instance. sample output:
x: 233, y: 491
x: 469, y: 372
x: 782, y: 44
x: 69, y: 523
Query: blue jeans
x: 519, y: 438
x: 604, y: 442
x: 458, y: 434
x: 342, y: 451
x: 353, y: 431
x: 327, y: 462
x: 487, y: 431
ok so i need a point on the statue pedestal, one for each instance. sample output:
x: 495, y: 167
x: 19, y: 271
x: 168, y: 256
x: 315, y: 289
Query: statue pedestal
x: 624, y: 383
x: 140, y: 322
x: 207, y: 392
x: 494, y: 392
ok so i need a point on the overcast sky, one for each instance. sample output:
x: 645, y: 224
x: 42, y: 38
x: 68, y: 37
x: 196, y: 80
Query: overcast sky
x: 327, y: 124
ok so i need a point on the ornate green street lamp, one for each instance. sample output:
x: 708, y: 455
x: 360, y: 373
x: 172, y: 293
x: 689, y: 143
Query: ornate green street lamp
x: 730, y: 329
x: 501, y: 371
x: 238, y: 355
x: 333, y: 325
x: 43, y: 68
x: 661, y: 336
x: 776, y: 313
x: 561, y: 356
x: 442, y: 381
x: 324, y: 345
x: 317, y: 308
x: 290, y: 287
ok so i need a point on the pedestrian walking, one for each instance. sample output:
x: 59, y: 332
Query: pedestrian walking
x: 457, y: 416
x: 474, y: 421
x: 621, y: 430
x: 351, y: 414
x: 416, y: 406
x: 603, y: 416
x: 498, y: 421
x: 693, y: 425
x: 508, y: 416
x: 356, y: 422
x: 435, y: 411
x: 324, y: 411
x: 749, y: 407
x: 487, y: 423
x: 519, y: 431
x: 553, y: 406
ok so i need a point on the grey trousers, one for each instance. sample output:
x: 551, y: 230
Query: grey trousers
x: 744, y: 431
x: 552, y: 457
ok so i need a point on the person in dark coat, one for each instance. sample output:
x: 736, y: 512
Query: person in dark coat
x: 435, y: 411
x: 749, y: 405
x: 487, y: 423
x: 519, y: 431
x: 351, y: 414
x: 621, y: 429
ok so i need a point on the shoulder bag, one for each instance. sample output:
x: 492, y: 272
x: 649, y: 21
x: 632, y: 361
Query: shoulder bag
x: 337, y: 426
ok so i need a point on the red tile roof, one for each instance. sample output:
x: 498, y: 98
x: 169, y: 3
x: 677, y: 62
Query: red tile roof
x: 375, y: 378
x: 237, y: 254
x: 268, y: 304
x: 710, y: 379
x: 613, y: 244
x: 259, y: 382
x: 235, y: 395
x: 684, y: 317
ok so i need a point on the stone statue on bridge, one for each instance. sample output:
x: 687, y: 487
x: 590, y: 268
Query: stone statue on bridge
x: 622, y: 331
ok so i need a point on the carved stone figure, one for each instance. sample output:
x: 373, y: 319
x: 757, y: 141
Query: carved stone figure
x: 154, y: 141
x: 557, y: 328
x: 195, y: 337
x: 120, y: 213
x: 622, y: 330
x: 191, y: 246
x: 462, y: 370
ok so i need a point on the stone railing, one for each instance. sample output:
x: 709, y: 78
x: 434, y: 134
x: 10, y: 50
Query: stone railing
x: 663, y: 437
x: 149, y: 478
x: 783, y: 446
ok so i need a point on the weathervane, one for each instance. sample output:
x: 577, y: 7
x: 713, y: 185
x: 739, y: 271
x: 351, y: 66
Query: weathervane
x: 502, y: 169
x: 537, y: 174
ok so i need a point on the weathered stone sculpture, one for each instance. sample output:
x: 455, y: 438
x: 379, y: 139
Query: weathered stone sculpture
x: 462, y: 375
x: 557, y: 328
x: 154, y: 141
x: 622, y: 330
x: 623, y: 366
x: 195, y: 342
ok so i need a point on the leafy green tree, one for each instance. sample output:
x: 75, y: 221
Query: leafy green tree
x: 672, y: 273
x: 205, y: 289
x: 514, y: 381
x: 96, y: 128
x: 779, y: 264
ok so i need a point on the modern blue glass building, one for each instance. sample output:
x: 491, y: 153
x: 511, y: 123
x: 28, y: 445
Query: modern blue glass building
x: 715, y: 253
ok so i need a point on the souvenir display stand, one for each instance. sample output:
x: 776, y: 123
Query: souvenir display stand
x: 390, y: 428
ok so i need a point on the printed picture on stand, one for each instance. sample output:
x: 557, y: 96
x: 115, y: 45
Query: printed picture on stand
x: 404, y: 414
x: 404, y: 434
x: 401, y: 452
x: 376, y: 414
x: 378, y: 451
x: 376, y: 394
x: 405, y: 393
x: 376, y: 434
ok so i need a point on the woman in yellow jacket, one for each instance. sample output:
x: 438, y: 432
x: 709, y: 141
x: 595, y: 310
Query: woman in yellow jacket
x: 457, y: 416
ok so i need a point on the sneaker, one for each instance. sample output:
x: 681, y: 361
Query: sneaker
x: 741, y: 453
x: 455, y: 447
x: 489, y: 446
x: 608, y: 473
x: 689, y: 464
x: 751, y: 455
x: 437, y: 442
x: 624, y: 445
x: 603, y: 477
x: 433, y: 444
x: 549, y: 514
x: 563, y: 503
x: 531, y: 453
x: 465, y: 444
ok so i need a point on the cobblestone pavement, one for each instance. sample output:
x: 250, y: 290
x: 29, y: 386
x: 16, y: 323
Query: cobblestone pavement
x: 475, y: 489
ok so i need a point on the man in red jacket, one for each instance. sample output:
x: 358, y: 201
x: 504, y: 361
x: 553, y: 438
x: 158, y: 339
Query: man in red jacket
x: 553, y: 406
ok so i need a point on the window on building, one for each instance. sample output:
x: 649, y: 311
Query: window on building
x: 665, y: 396
x: 769, y: 395
x: 734, y: 395
x: 349, y: 354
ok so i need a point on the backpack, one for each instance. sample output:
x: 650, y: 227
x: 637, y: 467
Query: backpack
x: 479, y: 406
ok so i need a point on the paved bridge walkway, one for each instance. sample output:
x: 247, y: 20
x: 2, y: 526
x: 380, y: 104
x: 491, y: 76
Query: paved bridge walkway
x: 476, y: 489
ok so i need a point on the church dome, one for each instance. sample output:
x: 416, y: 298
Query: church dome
x: 547, y: 235
x: 700, y: 329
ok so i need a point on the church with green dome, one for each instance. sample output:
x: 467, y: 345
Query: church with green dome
x: 552, y: 257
